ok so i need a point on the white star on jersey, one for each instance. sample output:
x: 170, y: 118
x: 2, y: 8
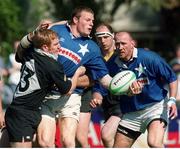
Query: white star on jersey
x: 83, y: 49
x: 140, y: 69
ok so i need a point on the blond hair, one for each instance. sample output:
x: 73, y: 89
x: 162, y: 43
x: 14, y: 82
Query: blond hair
x: 43, y: 36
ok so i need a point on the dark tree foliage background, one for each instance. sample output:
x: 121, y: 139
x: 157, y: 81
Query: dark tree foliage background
x: 17, y: 17
x: 10, y: 25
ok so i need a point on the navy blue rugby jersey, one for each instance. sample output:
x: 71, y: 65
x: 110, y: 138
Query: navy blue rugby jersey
x: 151, y: 70
x: 77, y: 51
x: 38, y: 74
x: 111, y: 99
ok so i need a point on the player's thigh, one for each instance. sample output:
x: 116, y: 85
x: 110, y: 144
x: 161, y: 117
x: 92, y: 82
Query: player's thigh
x: 69, y: 116
x: 68, y: 127
x: 156, y: 131
x: 21, y: 144
x: 122, y: 141
x: 157, y: 120
x: 141, y: 141
x: 110, y: 126
x: 71, y: 109
x: 47, y: 129
x: 125, y: 136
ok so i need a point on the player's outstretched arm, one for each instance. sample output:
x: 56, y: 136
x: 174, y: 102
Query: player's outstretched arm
x: 57, y: 23
x: 84, y: 81
x: 105, y: 81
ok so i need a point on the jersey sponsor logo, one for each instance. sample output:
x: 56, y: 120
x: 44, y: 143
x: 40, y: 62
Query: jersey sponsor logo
x: 143, y: 81
x: 70, y: 55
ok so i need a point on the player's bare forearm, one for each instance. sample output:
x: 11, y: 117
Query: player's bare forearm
x: 79, y: 72
x: 57, y: 23
x: 173, y: 89
x: 85, y: 81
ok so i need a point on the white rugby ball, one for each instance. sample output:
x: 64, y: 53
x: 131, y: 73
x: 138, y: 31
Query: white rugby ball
x: 121, y: 82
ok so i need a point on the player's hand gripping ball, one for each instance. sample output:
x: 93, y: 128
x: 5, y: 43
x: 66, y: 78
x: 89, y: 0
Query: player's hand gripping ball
x: 121, y: 82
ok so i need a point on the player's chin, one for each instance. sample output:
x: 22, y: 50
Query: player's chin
x: 121, y: 56
x: 88, y: 31
x: 86, y: 34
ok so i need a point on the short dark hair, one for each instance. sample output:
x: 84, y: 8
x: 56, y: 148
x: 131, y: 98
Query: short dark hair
x: 77, y: 12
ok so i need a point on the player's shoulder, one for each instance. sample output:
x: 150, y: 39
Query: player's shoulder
x: 146, y: 53
x: 92, y: 43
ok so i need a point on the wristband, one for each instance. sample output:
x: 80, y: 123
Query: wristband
x: 25, y: 42
x: 172, y: 100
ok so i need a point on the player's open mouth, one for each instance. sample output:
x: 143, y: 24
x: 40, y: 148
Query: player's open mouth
x: 90, y: 29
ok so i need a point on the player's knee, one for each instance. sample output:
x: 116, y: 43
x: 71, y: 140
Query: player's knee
x: 46, y: 142
x: 155, y: 143
x: 106, y: 137
x: 82, y: 142
x: 68, y: 142
x: 82, y: 137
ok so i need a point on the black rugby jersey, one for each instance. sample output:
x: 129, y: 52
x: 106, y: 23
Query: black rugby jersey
x: 38, y: 74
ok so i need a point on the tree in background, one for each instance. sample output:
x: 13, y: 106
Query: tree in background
x: 10, y: 26
x: 21, y: 16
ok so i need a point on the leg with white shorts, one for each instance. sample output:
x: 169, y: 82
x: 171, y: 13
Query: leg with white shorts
x: 156, y: 125
x: 153, y: 118
x: 69, y: 117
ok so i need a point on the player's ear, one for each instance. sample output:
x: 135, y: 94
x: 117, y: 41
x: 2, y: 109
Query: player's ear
x: 45, y: 48
x: 75, y: 19
x: 133, y: 42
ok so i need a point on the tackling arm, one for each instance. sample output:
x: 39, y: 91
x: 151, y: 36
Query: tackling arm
x: 105, y: 81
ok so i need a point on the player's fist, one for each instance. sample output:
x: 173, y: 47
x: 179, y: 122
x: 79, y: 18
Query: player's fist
x: 81, y: 70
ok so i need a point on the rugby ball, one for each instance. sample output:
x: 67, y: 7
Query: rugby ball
x: 121, y: 82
